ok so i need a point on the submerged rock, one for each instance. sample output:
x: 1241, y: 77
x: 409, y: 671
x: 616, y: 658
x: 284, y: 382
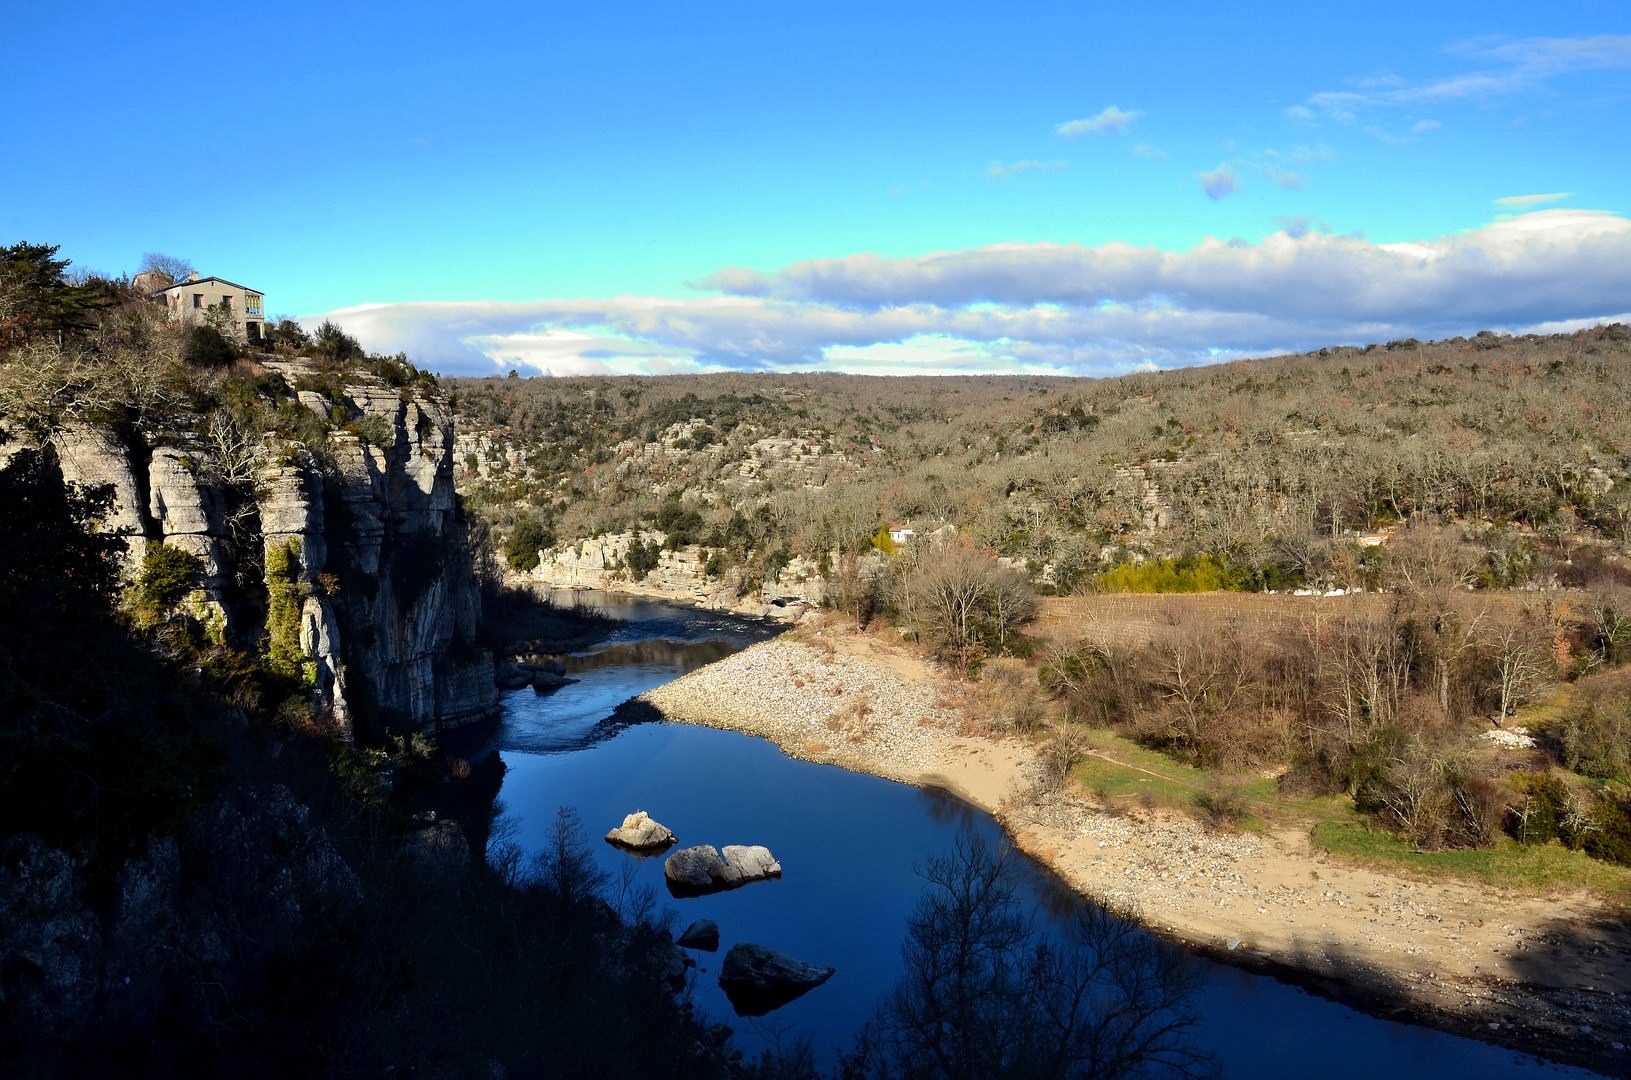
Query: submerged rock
x: 701, y: 869
x: 758, y: 980
x: 702, y: 935
x: 640, y: 832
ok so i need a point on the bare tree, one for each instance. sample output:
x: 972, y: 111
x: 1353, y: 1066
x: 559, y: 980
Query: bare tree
x: 949, y: 589
x: 1429, y: 557
x: 1361, y: 674
x: 1203, y: 673
x: 1524, y: 662
x: 170, y: 266
x: 1609, y: 620
x: 234, y: 447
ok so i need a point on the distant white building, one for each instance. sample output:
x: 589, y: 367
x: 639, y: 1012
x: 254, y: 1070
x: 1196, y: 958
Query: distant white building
x: 189, y: 301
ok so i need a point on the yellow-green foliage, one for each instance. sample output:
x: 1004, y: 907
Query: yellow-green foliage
x: 167, y: 575
x: 882, y: 541
x: 283, y: 602
x: 210, y: 617
x: 1197, y: 574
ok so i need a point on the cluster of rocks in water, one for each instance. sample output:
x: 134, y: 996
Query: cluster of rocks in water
x: 756, y: 979
x: 542, y: 675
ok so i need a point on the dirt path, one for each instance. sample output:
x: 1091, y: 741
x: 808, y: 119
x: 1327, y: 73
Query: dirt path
x: 1546, y: 974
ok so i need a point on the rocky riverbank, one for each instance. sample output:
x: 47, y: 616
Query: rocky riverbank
x: 1547, y: 974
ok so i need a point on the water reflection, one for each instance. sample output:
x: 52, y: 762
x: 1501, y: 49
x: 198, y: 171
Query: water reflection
x: 682, y: 656
x: 987, y: 991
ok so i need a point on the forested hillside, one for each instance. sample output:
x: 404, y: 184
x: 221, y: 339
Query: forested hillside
x: 1270, y: 468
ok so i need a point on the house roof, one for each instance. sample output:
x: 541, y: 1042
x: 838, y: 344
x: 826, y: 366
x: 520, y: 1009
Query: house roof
x: 200, y: 281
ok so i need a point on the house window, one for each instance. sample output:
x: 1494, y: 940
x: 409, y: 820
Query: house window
x: 226, y: 303
x: 198, y: 300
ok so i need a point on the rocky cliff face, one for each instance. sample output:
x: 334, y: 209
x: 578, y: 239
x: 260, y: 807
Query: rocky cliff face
x: 366, y: 547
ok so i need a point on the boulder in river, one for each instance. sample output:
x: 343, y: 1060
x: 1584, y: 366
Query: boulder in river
x: 694, y: 870
x: 641, y: 832
x: 702, y: 935
x: 751, y: 862
x: 510, y: 677
x: 758, y: 980
x: 544, y: 681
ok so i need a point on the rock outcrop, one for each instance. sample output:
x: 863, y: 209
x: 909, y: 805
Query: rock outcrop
x: 601, y: 562
x: 758, y: 980
x: 95, y: 456
x: 704, y: 869
x: 367, y: 540
x: 403, y: 539
x: 641, y: 832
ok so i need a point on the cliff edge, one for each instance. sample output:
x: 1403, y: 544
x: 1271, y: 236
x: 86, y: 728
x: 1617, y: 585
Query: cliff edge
x: 343, y: 553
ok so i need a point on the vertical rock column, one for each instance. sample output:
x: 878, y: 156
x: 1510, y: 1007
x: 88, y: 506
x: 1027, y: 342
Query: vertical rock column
x: 190, y: 515
x: 290, y: 497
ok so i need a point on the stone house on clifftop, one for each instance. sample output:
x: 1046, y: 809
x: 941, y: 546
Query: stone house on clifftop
x: 188, y: 302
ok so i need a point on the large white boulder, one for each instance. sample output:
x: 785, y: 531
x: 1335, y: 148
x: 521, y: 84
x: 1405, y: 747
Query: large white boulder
x: 641, y: 832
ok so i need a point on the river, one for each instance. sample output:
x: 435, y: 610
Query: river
x: 852, y: 847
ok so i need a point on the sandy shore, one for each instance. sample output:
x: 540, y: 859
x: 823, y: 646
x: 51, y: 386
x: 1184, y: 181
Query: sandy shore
x: 1546, y: 974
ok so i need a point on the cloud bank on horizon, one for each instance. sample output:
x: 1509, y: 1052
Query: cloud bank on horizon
x: 1057, y: 309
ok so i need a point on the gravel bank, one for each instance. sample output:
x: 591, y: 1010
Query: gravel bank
x: 819, y: 706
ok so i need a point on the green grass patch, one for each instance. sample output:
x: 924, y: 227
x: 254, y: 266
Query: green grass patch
x: 1119, y: 782
x: 1508, y: 865
x: 1125, y: 773
x: 1544, y: 715
x: 1266, y: 792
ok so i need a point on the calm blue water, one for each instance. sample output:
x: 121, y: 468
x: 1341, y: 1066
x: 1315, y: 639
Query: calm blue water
x: 850, y: 846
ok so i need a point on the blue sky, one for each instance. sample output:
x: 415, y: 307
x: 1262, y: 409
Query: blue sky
x: 1072, y: 188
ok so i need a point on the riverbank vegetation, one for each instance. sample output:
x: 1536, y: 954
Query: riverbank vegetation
x: 1278, y: 473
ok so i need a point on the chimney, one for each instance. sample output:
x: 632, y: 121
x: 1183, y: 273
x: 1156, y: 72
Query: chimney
x: 193, y: 276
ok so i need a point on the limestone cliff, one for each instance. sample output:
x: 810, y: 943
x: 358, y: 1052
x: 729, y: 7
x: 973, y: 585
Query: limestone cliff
x: 601, y: 562
x: 355, y: 556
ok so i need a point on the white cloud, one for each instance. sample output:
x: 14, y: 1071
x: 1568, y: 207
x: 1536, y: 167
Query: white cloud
x: 1059, y: 308
x: 999, y: 170
x: 1107, y: 121
x: 1507, y: 67
x: 1219, y: 183
x: 1553, y: 55
x: 1152, y: 153
x: 1533, y: 200
x: 1425, y: 127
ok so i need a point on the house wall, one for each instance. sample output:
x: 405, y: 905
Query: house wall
x: 188, y: 301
